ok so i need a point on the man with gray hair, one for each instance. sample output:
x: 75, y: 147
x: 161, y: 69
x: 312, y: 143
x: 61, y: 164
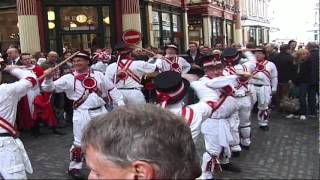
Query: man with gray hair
x: 140, y: 142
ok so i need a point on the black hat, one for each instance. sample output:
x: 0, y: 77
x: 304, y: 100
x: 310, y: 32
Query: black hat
x: 170, y: 87
x: 210, y: 60
x: 259, y: 50
x: 83, y: 54
x: 171, y: 45
x: 230, y: 52
x: 123, y: 47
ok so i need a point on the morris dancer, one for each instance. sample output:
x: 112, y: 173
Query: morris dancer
x: 14, y: 161
x: 171, y: 61
x: 87, y: 88
x: 231, y: 58
x: 265, y: 84
x: 128, y: 73
x: 171, y: 89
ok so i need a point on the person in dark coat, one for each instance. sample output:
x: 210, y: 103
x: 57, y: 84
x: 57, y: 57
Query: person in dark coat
x: 286, y: 72
x: 313, y: 70
x: 271, y: 52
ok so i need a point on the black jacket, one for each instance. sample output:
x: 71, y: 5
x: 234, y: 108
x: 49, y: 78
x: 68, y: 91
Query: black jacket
x: 285, y: 67
x: 303, y: 72
x: 314, y: 67
x: 196, y: 59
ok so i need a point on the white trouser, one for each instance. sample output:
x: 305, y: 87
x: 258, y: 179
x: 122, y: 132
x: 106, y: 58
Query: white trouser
x: 132, y: 96
x: 217, y: 137
x: 245, y: 106
x: 14, y: 161
x: 234, y: 123
x: 263, y: 96
x: 81, y: 118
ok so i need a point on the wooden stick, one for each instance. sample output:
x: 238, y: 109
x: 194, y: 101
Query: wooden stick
x: 116, y: 74
x: 60, y: 64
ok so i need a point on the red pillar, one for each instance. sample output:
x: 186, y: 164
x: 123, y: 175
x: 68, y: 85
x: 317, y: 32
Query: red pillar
x: 118, y: 20
x: 41, y: 17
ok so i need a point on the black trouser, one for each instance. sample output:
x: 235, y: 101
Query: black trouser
x: 310, y: 92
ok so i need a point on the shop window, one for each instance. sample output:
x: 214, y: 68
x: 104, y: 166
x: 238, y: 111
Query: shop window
x: 166, y: 28
x: 176, y: 21
x: 195, y: 29
x: 106, y: 25
x: 9, y: 32
x: 229, y: 33
x: 51, y: 17
x: 156, y: 29
x: 79, y: 18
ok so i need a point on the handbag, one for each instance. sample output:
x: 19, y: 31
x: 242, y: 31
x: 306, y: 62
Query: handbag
x: 290, y: 104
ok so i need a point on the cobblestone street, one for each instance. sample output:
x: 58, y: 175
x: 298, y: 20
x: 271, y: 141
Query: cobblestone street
x: 289, y: 150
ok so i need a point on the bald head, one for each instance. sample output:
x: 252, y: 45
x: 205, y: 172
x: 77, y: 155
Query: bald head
x: 52, y: 56
x: 312, y: 45
x: 13, y: 53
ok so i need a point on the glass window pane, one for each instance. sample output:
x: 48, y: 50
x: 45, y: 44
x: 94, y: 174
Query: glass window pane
x: 166, y: 28
x: 107, y: 25
x: 9, y: 32
x: 156, y: 28
x: 79, y: 18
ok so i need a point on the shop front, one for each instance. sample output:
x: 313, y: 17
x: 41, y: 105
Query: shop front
x: 78, y: 24
x: 211, y: 23
x: 166, y: 25
x: 9, y: 32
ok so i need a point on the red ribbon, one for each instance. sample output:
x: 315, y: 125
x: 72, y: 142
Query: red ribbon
x: 163, y: 99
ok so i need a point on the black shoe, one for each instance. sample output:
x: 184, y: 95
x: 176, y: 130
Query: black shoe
x: 235, y: 154
x: 264, y: 128
x: 230, y: 167
x: 245, y: 147
x: 55, y: 131
x: 75, y: 174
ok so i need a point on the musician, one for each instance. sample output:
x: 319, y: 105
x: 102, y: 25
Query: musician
x: 14, y: 161
x: 171, y: 61
x: 265, y: 84
x: 87, y: 88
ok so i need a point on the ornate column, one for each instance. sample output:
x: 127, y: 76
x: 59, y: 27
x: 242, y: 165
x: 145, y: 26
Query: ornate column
x: 185, y: 24
x: 28, y: 26
x: 207, y: 29
x: 237, y: 25
x: 131, y: 15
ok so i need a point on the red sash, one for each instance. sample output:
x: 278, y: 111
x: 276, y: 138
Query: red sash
x: 174, y: 65
x: 261, y: 67
x: 241, y: 83
x: 8, y: 127
x: 187, y: 114
x: 125, y: 72
x: 231, y: 70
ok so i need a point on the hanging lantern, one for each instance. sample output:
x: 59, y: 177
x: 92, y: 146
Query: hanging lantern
x: 81, y: 18
x: 51, y: 15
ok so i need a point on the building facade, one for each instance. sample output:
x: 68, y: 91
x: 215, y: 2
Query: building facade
x: 43, y: 25
x: 255, y: 21
x: 213, y: 21
x: 313, y: 32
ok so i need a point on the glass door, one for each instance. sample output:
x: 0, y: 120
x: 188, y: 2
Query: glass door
x: 79, y: 41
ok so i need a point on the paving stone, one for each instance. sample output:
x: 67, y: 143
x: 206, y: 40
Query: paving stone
x: 289, y: 150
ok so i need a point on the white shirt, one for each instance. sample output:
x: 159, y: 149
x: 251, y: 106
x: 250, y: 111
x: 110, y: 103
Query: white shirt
x: 74, y: 89
x: 268, y: 76
x: 163, y: 65
x: 11, y: 94
x: 139, y: 68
